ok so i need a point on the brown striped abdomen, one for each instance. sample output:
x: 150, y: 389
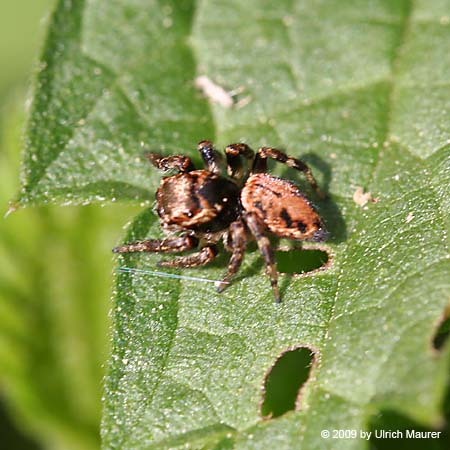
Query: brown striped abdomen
x: 284, y: 210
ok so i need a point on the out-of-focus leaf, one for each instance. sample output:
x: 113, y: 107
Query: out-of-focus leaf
x: 356, y: 88
x: 54, y: 292
x: 21, y: 31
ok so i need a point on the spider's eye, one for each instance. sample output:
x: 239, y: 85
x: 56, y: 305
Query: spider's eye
x: 189, y: 214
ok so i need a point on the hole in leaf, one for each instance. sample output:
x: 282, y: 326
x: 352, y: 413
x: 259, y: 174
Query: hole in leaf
x: 442, y: 331
x: 301, y: 260
x: 285, y: 380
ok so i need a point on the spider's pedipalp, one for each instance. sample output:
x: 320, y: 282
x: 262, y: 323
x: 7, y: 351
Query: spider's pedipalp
x: 260, y: 165
x: 178, y: 162
x: 257, y: 228
x: 234, y: 154
x: 210, y: 156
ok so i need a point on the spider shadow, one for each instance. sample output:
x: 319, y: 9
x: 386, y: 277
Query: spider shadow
x: 257, y: 267
x: 252, y: 269
x: 327, y: 208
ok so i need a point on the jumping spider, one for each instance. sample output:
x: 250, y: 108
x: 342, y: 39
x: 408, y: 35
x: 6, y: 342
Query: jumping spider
x: 206, y: 206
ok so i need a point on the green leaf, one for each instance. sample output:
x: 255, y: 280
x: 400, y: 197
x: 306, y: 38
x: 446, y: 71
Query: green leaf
x: 54, y: 296
x: 359, y: 90
x: 95, y: 109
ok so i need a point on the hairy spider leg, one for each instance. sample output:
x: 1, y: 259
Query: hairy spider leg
x: 200, y: 258
x: 233, y: 153
x: 260, y: 165
x: 210, y: 156
x: 237, y: 243
x: 167, y: 245
x: 178, y: 162
x: 257, y: 228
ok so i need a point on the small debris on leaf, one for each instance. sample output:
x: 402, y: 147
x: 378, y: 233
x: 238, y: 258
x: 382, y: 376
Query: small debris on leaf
x: 214, y: 92
x: 217, y: 94
x: 360, y: 197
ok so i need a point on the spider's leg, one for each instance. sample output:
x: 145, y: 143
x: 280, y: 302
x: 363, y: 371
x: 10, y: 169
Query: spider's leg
x: 167, y: 245
x: 238, y: 242
x: 260, y: 165
x: 257, y: 229
x: 179, y: 162
x: 200, y: 258
x: 210, y: 156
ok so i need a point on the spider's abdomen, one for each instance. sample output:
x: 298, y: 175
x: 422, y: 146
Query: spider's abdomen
x: 198, y: 200
x: 284, y: 210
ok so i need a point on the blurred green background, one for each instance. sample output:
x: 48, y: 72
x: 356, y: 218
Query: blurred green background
x: 55, y: 277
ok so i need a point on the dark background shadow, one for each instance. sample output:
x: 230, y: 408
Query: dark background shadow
x: 391, y: 420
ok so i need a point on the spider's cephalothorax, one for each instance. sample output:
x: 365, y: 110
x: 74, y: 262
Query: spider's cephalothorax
x: 204, y: 206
